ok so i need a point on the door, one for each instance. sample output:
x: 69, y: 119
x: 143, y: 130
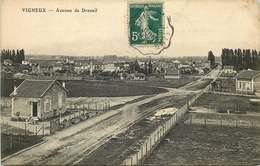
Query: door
x: 34, y: 109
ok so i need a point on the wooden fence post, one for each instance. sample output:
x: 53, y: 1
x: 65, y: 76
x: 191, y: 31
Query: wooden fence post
x: 141, y: 154
x: 25, y: 128
x: 19, y: 139
x: 154, y: 137
x: 43, y: 129
x: 137, y: 158
x: 146, y: 148
x: 11, y: 141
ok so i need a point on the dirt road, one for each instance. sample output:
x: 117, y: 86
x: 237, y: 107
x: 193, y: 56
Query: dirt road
x: 70, y: 145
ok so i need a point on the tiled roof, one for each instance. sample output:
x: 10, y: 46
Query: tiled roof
x: 33, y: 88
x: 247, y: 74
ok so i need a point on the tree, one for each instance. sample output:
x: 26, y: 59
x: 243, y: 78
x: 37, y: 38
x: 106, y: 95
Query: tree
x: 17, y: 56
x: 240, y: 59
x: 22, y: 55
x: 145, y: 68
x: 211, y: 58
x: 150, y: 67
x: 13, y: 55
x: 136, y: 66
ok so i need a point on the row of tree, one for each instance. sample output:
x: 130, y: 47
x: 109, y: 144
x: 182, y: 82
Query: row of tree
x: 241, y: 59
x: 17, y: 56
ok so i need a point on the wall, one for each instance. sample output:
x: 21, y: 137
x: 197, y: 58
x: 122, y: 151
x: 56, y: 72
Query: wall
x: 52, y: 94
x: 23, y: 105
x: 257, y: 84
x: 244, y: 86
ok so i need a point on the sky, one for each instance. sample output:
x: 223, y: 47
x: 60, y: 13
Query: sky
x: 200, y: 26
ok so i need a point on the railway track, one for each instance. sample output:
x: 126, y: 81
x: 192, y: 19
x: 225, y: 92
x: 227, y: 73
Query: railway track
x: 87, y: 151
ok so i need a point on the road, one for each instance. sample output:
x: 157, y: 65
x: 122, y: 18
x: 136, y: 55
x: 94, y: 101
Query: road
x: 72, y: 144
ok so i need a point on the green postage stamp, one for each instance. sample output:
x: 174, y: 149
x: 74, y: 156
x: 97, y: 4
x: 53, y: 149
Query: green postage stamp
x: 146, y: 24
x: 149, y: 30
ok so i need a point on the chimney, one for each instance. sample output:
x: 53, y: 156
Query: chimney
x: 63, y: 84
x: 15, y: 90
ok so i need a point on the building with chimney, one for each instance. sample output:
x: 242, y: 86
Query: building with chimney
x: 38, y: 99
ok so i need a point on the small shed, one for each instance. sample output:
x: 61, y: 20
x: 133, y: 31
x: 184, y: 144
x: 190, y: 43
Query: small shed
x: 38, y: 99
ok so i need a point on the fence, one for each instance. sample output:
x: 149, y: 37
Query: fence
x: 25, y: 128
x: 217, y: 119
x: 74, y: 116
x: 14, y: 138
x: 6, y: 102
x: 11, y: 143
x: 155, y: 138
x: 231, y: 93
x: 96, y: 106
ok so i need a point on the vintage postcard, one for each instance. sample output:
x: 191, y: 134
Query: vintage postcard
x: 130, y: 82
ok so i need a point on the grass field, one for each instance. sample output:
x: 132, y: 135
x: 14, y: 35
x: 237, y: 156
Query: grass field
x: 198, y: 145
x: 13, y: 143
x: 82, y: 88
x: 109, y: 89
x: 222, y: 103
x: 166, y: 83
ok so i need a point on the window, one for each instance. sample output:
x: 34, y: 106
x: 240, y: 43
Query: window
x: 244, y: 86
x: 60, y: 96
x: 239, y: 85
x: 47, y: 105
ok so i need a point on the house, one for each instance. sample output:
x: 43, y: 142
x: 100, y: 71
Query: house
x: 176, y: 63
x: 38, y: 99
x: 228, y: 69
x: 136, y: 76
x: 248, y: 81
x: 8, y: 62
x: 110, y: 67
x: 57, y: 67
x: 26, y: 63
x: 171, y: 72
x: 186, y: 69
